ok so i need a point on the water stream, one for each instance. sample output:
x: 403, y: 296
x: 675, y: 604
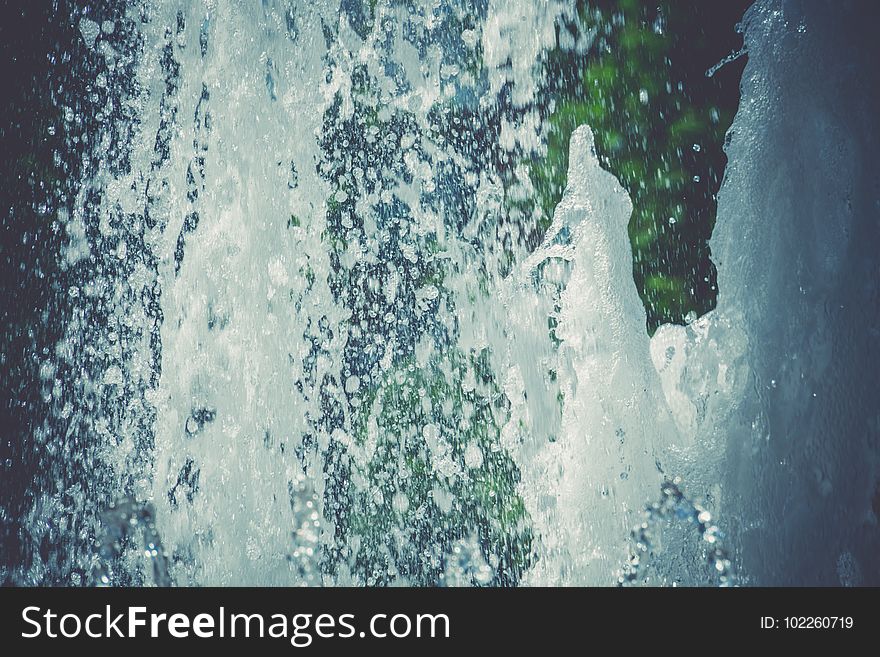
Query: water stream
x: 309, y: 344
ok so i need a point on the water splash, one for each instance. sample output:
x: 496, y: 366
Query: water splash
x: 674, y: 505
x: 310, y: 326
x: 732, y: 57
x: 120, y: 521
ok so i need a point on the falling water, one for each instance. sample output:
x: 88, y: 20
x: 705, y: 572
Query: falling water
x: 307, y: 342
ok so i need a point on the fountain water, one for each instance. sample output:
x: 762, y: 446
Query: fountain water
x: 306, y: 335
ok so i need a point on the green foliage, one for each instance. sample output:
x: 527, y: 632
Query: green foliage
x: 436, y: 473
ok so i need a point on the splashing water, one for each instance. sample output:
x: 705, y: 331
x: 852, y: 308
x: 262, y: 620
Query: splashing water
x: 309, y: 342
x: 119, y: 521
x: 674, y: 505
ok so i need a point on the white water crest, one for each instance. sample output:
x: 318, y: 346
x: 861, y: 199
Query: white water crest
x: 586, y: 486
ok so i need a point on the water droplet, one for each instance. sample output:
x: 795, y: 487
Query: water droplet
x: 473, y: 456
